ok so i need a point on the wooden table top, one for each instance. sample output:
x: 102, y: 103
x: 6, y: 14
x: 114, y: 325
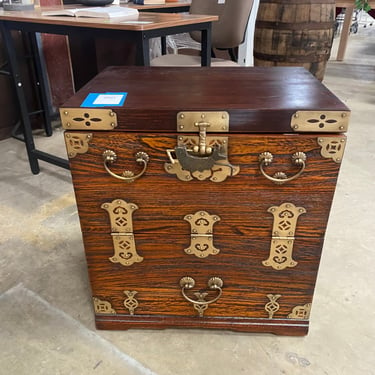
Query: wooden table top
x: 175, y: 4
x: 144, y: 21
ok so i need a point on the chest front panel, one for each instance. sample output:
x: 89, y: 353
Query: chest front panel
x: 262, y: 239
x: 204, y: 197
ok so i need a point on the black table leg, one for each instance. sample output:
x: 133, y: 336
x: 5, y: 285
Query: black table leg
x: 142, y: 57
x: 163, y: 45
x: 18, y: 84
x: 42, y: 81
x: 206, y: 46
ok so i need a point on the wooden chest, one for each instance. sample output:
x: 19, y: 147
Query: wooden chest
x: 204, y: 194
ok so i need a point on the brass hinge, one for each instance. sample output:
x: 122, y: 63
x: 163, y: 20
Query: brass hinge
x: 283, y: 232
x: 320, y: 121
x: 88, y: 118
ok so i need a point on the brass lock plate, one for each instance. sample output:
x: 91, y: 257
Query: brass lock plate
x: 189, y: 121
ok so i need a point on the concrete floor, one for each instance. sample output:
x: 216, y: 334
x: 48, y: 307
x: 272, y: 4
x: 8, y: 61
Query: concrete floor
x: 46, y: 318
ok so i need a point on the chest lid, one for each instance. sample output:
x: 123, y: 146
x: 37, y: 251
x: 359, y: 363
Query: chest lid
x: 235, y: 100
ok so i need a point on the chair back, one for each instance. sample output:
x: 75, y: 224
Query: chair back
x: 229, y: 30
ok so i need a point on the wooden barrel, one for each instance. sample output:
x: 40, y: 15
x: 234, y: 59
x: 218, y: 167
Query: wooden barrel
x: 294, y: 33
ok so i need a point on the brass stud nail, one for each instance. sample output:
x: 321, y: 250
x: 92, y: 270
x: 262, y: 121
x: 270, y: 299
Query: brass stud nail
x: 66, y: 113
x: 111, y: 114
x: 295, y: 126
x: 341, y: 128
x: 296, y: 115
x: 203, y: 115
x: 181, y: 126
x: 67, y: 135
x: 68, y: 124
x: 182, y: 115
x: 343, y: 115
x: 113, y: 125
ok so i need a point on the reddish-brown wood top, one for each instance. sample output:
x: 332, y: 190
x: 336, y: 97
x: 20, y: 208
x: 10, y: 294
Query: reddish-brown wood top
x: 147, y: 21
x: 257, y: 99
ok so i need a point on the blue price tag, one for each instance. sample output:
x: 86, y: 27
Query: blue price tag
x: 107, y: 99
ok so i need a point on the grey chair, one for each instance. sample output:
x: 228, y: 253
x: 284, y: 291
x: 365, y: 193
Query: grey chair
x: 227, y: 33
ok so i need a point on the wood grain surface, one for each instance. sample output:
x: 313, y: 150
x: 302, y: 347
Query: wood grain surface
x: 260, y: 102
x: 257, y: 99
x: 241, y: 201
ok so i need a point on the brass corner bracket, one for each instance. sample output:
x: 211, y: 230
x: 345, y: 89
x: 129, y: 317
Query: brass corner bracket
x: 77, y: 143
x: 320, y: 121
x: 332, y: 148
x: 88, y: 118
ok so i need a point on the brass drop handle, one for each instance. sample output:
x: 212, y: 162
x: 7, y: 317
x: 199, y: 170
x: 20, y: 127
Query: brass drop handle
x: 266, y: 158
x: 110, y: 157
x: 214, y: 283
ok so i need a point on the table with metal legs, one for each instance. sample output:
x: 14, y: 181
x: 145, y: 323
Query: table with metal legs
x: 147, y: 26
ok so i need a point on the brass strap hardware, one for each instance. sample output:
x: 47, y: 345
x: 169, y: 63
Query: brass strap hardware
x: 272, y: 306
x: 201, y: 156
x: 131, y: 303
x: 284, y: 226
x: 77, y: 143
x: 300, y: 312
x: 314, y: 121
x: 110, y: 157
x: 218, y: 121
x: 202, y: 234
x: 201, y: 305
x: 332, y: 148
x: 103, y: 307
x: 266, y: 158
x: 120, y: 216
x: 88, y: 118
